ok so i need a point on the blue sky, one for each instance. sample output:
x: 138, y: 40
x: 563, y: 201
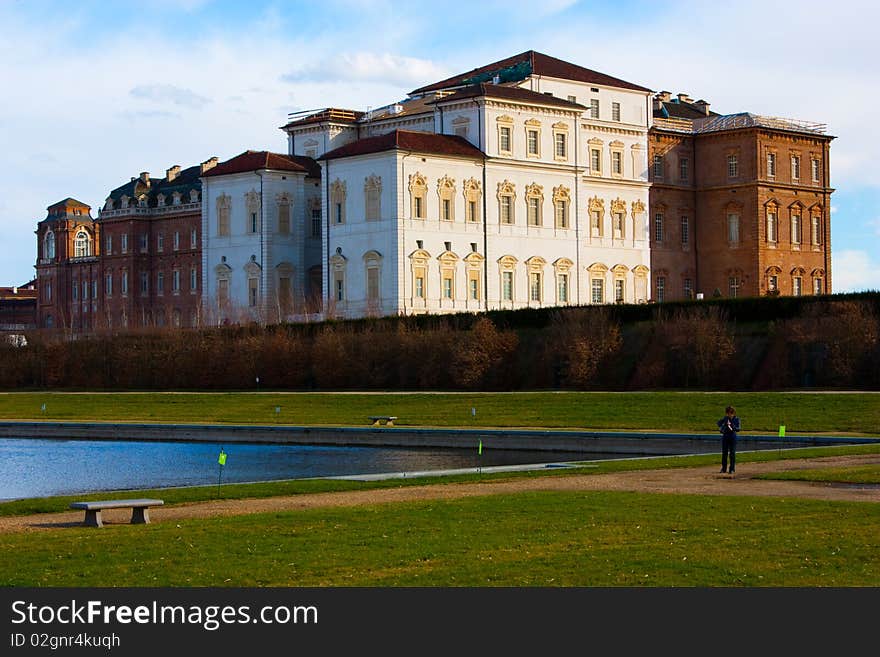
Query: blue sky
x: 96, y: 92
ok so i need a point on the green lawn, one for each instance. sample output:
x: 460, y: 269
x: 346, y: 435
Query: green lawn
x: 527, y: 539
x: 863, y: 474
x: 856, y: 414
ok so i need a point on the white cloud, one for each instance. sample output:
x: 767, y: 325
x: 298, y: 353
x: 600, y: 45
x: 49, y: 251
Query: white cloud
x: 854, y: 271
x: 168, y: 93
x: 385, y: 68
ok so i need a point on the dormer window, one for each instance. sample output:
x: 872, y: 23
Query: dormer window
x: 81, y: 245
x: 193, y: 196
x: 175, y: 198
x: 142, y: 201
x: 160, y: 200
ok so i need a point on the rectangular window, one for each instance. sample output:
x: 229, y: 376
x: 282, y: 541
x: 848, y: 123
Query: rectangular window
x: 108, y: 248
x: 316, y: 222
x: 254, y: 226
x: 337, y: 212
x: 144, y: 243
x: 796, y: 229
x: 594, y: 108
x: 124, y: 284
x: 372, y: 202
x: 771, y: 227
x: 223, y: 222
x: 658, y: 227
x: 685, y: 230
x: 95, y: 289
x: 615, y: 111
x: 814, y: 170
x: 772, y: 283
x: 420, y: 287
x: 506, y: 209
x: 373, y: 284
x: 124, y: 241
x: 532, y: 141
x: 472, y: 211
x: 618, y: 290
x: 597, y: 289
x: 797, y: 286
x: 447, y: 285
x: 596, y: 161
x: 145, y: 282
x: 658, y: 167
x: 733, y: 228
x: 688, y: 288
x: 177, y: 240
x: 222, y: 291
x: 507, y: 286
x: 447, y: 209
x: 534, y: 211
x: 561, y: 212
x: 85, y: 285
x: 108, y: 285
x: 771, y: 165
x: 284, y: 218
x: 75, y: 290
x: 562, y: 288
x: 193, y: 279
x: 253, y: 292
x: 596, y: 223
x: 535, y: 286
x: 561, y: 146
x: 340, y: 289
x: 160, y: 242
x: 419, y: 207
x: 49, y: 292
x: 474, y: 288
x: 617, y: 163
x: 160, y: 283
x: 816, y: 230
x: 795, y: 167
x: 661, y: 288
x: 817, y: 286
x: 732, y: 166
x: 504, y: 139
x: 684, y: 169
x: 175, y: 280
x: 193, y: 239
x: 617, y: 221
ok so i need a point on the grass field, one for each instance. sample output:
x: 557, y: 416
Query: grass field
x: 525, y: 539
x: 854, y: 414
x: 865, y: 474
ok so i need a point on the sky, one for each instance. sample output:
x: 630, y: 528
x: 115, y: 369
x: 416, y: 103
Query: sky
x: 94, y: 92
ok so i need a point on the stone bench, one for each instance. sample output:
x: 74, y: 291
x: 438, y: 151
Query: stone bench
x: 140, y: 510
x: 378, y: 419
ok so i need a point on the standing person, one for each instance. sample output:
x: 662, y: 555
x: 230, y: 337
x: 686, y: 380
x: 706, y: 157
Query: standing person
x: 729, y: 426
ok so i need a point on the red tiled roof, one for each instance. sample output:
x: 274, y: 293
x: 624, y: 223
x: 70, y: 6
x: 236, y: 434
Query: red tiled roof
x: 254, y: 160
x: 535, y: 63
x: 509, y: 93
x: 408, y: 140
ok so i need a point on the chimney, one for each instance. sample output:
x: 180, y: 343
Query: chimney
x: 664, y: 96
x: 496, y: 79
x: 208, y: 164
x: 145, y: 177
x: 15, y: 290
x: 172, y: 173
x: 703, y: 105
x: 684, y: 98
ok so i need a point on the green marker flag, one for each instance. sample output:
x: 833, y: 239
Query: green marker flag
x: 782, y: 431
x: 480, y: 447
x: 222, y: 458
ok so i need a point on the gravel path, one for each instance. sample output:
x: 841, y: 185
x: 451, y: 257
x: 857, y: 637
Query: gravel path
x: 695, y: 481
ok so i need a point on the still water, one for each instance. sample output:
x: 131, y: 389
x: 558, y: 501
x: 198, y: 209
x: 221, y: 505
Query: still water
x: 40, y: 467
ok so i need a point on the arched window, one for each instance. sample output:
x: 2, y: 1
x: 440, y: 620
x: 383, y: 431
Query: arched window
x: 81, y: 244
x: 49, y: 247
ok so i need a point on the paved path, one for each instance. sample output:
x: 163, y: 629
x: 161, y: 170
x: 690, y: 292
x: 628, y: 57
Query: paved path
x: 692, y: 481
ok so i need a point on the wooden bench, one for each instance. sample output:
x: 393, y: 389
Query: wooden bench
x: 140, y: 510
x: 388, y: 419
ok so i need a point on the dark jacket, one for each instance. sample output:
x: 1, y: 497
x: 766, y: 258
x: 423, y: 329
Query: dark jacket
x: 729, y: 430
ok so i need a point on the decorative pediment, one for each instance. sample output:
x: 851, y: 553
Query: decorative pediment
x: 252, y: 268
x: 471, y: 185
x: 282, y: 198
x: 798, y: 271
x: 417, y: 182
x: 618, y: 205
x: 771, y: 204
x: 419, y: 257
x: 311, y: 142
x: 533, y: 123
x: 446, y: 184
x: 598, y: 268
x: 616, y: 144
x: 641, y: 270
x: 373, y: 183
x: 474, y: 259
x: 461, y: 120
x: 338, y: 261
x: 372, y: 256
x: 448, y: 258
x: 816, y: 208
x: 563, y: 264
x: 536, y: 263
x: 224, y: 201
x: 223, y: 270
x: 506, y: 188
x: 773, y: 270
x: 597, y: 204
x: 284, y: 268
x: 252, y: 200
x: 560, y: 126
x: 337, y: 188
x: 817, y: 273
x: 638, y: 207
x: 535, y: 190
x: 505, y: 119
x: 595, y: 141
x: 620, y: 268
x: 507, y: 262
